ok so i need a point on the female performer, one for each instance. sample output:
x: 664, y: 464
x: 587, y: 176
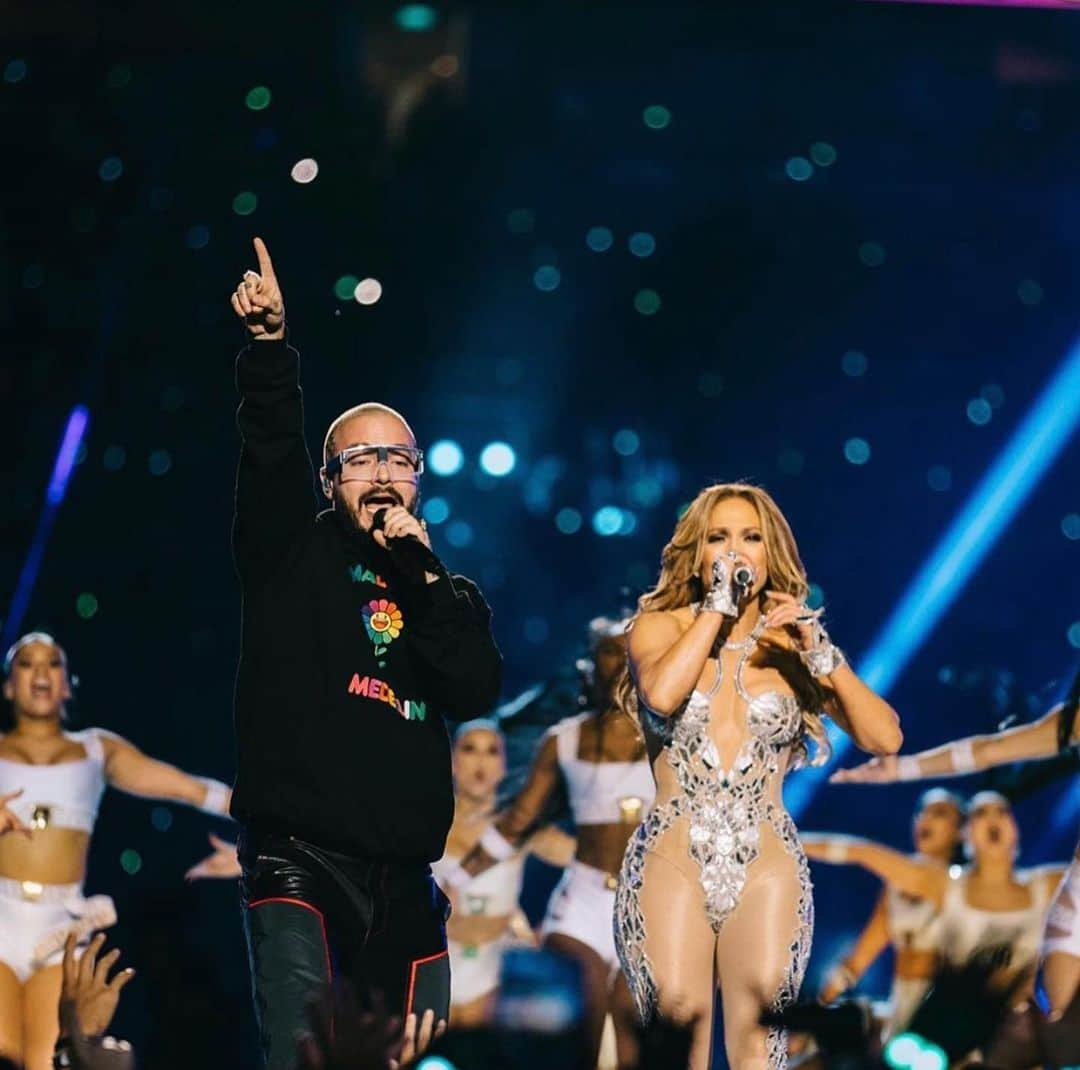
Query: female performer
x: 731, y: 673
x: 912, y: 925
x: 600, y: 759
x: 488, y: 918
x: 990, y: 910
x: 51, y: 782
x: 1052, y: 733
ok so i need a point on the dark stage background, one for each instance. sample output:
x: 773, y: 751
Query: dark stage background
x: 831, y: 249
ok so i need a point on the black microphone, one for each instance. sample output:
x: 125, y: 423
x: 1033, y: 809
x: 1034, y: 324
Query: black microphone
x: 743, y: 576
x: 410, y: 554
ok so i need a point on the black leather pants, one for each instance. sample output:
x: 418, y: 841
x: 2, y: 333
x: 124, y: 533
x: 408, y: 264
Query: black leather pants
x: 311, y: 915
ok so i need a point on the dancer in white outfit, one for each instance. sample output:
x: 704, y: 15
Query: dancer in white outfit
x: 600, y: 759
x: 51, y: 782
x: 912, y: 926
x: 1055, y: 731
x: 487, y: 918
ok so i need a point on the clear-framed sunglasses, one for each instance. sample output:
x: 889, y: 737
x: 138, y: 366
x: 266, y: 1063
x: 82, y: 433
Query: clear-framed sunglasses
x: 360, y: 463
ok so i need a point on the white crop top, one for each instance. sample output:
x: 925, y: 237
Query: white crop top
x: 969, y: 930
x: 601, y: 793
x: 493, y: 893
x: 63, y: 795
x: 914, y: 924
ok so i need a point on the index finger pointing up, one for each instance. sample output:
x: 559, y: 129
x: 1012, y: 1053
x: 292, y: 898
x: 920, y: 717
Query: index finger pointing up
x: 266, y: 266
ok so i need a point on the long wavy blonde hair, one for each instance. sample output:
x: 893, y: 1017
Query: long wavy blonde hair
x: 680, y: 585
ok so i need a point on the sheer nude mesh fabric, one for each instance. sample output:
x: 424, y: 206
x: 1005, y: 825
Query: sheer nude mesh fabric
x: 714, y: 888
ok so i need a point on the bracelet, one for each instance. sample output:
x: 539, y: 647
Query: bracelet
x: 962, y: 754
x: 823, y: 658
x: 835, y: 850
x: 61, y: 1059
x: 496, y: 844
x: 908, y: 768
x: 217, y: 797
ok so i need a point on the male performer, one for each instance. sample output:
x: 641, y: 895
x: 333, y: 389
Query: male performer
x: 355, y: 643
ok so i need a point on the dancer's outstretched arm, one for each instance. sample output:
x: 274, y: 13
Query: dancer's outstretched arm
x: 873, y: 939
x: 132, y: 771
x: 921, y: 879
x: 969, y: 755
x: 515, y: 823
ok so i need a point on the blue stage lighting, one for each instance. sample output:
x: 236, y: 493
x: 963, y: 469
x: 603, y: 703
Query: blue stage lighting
x: 607, y: 520
x: 1027, y: 455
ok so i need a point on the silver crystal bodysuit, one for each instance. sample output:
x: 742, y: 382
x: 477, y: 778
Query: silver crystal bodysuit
x: 742, y: 848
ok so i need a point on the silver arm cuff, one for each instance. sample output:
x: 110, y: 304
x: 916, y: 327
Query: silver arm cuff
x: 720, y: 598
x: 823, y: 657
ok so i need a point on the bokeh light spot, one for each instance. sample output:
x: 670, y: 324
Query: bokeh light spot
x: 823, y: 154
x: 599, y: 239
x: 626, y: 442
x: 160, y: 462
x: 1074, y: 634
x: 656, y: 117
x: 642, y: 244
x: 258, y: 99
x: 872, y: 253
x: 536, y: 629
x: 520, y: 221
x: 815, y: 597
x: 130, y: 861
x: 647, y: 302
x: 445, y: 457
x: 547, y: 278
x: 979, y: 411
x: 15, y: 71
x: 993, y: 394
x: 367, y: 291
x: 245, y: 203
x: 110, y: 169
x: 1030, y: 293
x: 799, y: 168
x: 939, y: 478
x: 857, y: 450
x: 197, y: 237
x: 459, y: 533
x: 86, y: 605
x: 498, y: 459
x: 114, y: 458
x: 345, y: 287
x: 415, y: 18
x: 304, y: 171
x: 436, y: 510
x: 607, y: 520
x: 854, y: 363
x: 161, y: 818
x: 1070, y: 526
x: 568, y: 521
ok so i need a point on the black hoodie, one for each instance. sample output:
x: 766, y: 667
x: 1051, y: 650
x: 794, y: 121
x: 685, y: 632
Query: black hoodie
x: 347, y: 668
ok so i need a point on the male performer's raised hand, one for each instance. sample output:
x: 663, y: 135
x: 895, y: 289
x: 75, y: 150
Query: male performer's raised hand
x: 258, y: 301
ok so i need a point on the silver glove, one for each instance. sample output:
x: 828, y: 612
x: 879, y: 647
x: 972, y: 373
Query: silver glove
x: 720, y: 598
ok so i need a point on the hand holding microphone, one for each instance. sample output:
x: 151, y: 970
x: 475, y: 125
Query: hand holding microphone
x: 405, y: 538
x: 730, y: 586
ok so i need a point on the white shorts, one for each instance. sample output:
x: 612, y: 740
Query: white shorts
x: 583, y: 907
x: 474, y: 968
x: 35, y: 920
x: 1063, y: 921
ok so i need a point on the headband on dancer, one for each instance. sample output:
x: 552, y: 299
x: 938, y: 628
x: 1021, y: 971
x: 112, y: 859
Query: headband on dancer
x: 26, y: 640
x: 477, y: 724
